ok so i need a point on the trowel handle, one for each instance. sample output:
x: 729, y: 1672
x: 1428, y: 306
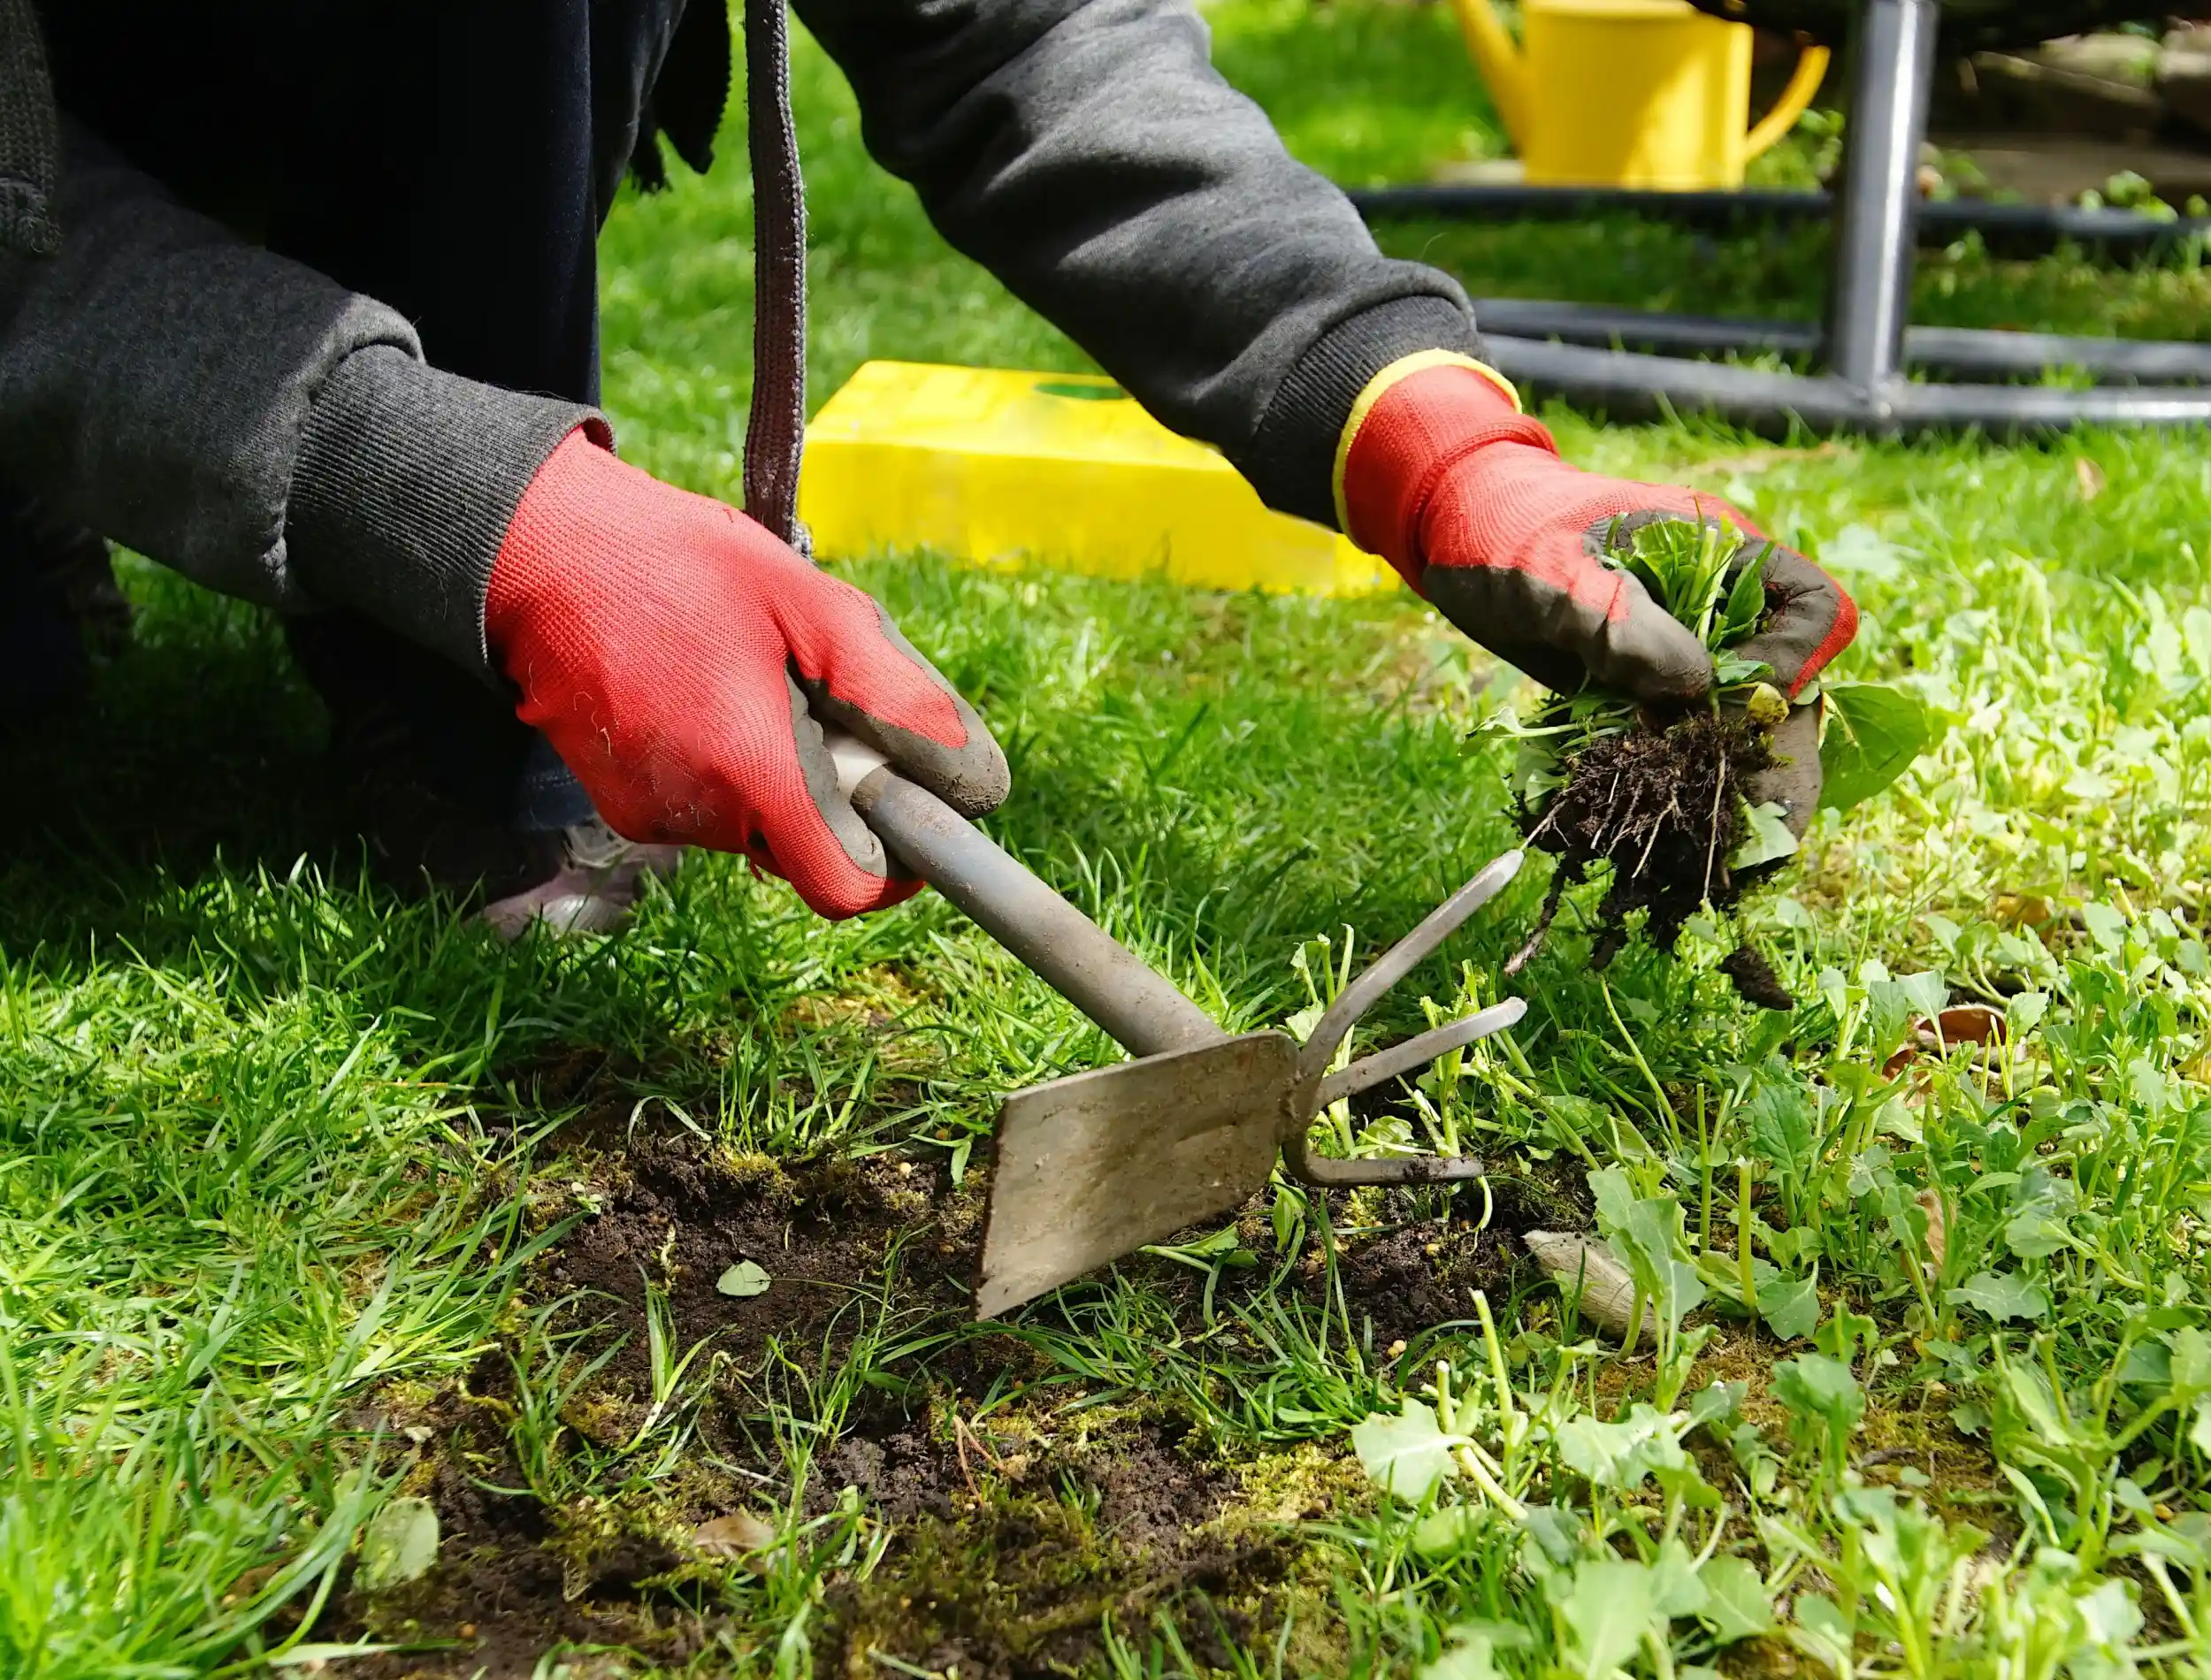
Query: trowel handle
x: 1071, y: 953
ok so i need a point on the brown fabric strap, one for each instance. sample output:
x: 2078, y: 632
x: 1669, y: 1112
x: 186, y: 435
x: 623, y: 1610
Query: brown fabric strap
x: 774, y: 432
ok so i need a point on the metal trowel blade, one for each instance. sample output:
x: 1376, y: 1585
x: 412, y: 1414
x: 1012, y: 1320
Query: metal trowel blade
x: 1095, y: 1165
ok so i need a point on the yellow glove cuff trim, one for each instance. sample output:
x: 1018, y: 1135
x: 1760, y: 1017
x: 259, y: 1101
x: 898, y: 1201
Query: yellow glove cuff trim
x: 1404, y: 368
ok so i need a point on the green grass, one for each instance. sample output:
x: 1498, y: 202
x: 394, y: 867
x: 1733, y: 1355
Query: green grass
x: 284, y: 1216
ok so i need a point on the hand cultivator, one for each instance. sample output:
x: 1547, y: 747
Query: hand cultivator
x: 1095, y: 1165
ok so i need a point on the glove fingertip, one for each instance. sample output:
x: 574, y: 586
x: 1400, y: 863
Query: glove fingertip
x: 840, y: 898
x: 1658, y: 659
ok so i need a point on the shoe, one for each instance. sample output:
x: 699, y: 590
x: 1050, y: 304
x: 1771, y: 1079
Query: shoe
x: 596, y: 886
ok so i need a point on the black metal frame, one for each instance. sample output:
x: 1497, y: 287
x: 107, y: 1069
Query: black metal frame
x: 1866, y: 348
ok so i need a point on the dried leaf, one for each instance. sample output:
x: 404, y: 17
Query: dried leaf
x: 2089, y: 478
x: 1588, y: 1270
x: 1971, y: 1024
x: 1938, y: 1230
x: 1932, y: 1035
x: 738, y: 1535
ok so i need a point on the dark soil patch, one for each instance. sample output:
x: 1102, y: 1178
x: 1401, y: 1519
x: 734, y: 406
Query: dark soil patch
x: 1012, y: 1537
x: 503, y: 1594
x: 1015, y: 1548
x: 1662, y: 808
x: 677, y: 1215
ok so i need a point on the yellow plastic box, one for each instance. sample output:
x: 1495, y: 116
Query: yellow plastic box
x: 994, y: 467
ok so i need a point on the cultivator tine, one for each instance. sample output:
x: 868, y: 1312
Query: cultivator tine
x: 1400, y: 960
x: 1318, y: 1087
x: 1416, y: 1052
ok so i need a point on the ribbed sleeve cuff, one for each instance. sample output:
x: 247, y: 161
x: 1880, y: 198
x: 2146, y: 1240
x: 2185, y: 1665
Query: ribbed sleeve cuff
x: 407, y: 480
x: 1293, y: 453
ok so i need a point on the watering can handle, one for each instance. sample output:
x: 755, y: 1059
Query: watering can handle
x: 1139, y: 1007
x: 1497, y: 55
x: 1794, y: 100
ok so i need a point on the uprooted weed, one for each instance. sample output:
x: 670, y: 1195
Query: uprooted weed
x: 1663, y: 808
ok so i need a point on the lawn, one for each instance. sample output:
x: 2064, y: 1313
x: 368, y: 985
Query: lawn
x: 322, y: 1216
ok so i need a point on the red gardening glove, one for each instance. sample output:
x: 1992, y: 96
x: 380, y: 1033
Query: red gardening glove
x: 677, y: 656
x: 1466, y: 497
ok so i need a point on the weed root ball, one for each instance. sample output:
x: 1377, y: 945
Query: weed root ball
x: 1663, y: 805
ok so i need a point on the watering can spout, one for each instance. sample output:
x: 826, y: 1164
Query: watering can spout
x: 1498, y: 57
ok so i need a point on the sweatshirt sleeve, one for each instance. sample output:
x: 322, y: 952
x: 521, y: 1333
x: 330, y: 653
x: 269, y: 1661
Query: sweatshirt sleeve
x: 1089, y: 155
x: 249, y: 422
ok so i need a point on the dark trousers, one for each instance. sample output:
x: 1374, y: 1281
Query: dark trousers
x: 436, y: 154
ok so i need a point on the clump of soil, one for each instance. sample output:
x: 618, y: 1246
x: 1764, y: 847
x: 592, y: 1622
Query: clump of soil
x: 1756, y: 982
x: 1661, y: 806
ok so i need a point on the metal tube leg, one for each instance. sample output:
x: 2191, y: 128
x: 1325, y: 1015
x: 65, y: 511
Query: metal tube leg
x: 1869, y: 298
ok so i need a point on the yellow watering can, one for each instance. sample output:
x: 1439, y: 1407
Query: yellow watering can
x: 1630, y: 93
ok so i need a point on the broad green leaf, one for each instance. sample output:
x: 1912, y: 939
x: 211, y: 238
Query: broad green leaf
x: 2041, y: 1204
x: 2002, y: 1295
x: 1465, y: 1656
x: 2032, y: 1394
x: 1873, y: 733
x: 1791, y: 1310
x: 1768, y: 839
x: 399, y: 1544
x: 1684, y: 1481
x: 2190, y: 1359
x: 1621, y: 1452
x: 1610, y: 1609
x: 1843, y: 1334
x: 2146, y: 1362
x: 2036, y: 1232
x: 1556, y: 1530
x: 1780, y: 1114
x: 1675, y: 1588
x: 1447, y: 1531
x: 2106, y: 925
x: 1407, y: 1457
x: 1833, y: 1632
x: 1735, y: 1602
x: 1717, y: 1402
x: 1646, y: 1233
x: 1614, y: 1195
x: 2199, y: 1431
x: 1729, y: 670
x: 745, y: 1278
x: 1814, y: 1385
x: 2110, y: 1618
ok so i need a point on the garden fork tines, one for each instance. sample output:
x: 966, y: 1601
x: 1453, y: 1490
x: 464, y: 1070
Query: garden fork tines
x: 1317, y: 1088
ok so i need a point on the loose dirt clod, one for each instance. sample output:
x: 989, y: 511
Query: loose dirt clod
x: 1756, y: 982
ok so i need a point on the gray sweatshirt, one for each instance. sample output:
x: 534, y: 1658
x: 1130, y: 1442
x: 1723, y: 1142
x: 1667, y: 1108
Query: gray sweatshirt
x: 244, y: 419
